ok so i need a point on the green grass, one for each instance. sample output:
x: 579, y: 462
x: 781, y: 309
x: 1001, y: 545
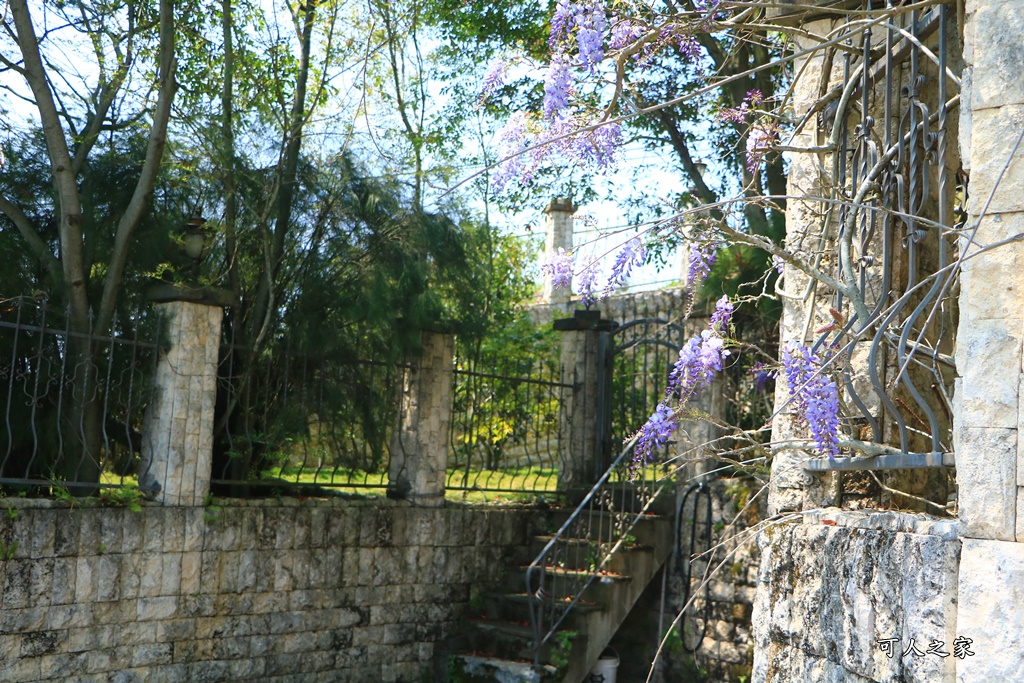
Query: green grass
x: 509, y: 486
x: 501, y: 486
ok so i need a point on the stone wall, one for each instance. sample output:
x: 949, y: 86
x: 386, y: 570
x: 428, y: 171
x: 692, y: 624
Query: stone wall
x: 834, y: 586
x: 727, y: 652
x: 313, y: 590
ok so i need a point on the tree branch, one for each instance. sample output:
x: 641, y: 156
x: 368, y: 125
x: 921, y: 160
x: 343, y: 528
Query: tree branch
x: 132, y: 216
x: 30, y: 234
x: 69, y: 205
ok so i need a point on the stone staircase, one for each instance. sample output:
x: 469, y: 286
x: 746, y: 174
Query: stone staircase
x: 497, y: 644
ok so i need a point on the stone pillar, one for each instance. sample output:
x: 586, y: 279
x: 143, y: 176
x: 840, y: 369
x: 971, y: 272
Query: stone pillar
x: 790, y: 487
x: 579, y: 443
x: 177, y: 443
x: 987, y: 430
x: 558, y: 235
x: 419, y: 442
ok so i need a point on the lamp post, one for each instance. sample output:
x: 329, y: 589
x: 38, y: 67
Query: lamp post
x: 177, y: 439
x: 194, y: 240
x: 195, y: 235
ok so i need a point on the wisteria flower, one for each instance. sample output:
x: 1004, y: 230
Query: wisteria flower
x: 591, y: 24
x: 624, y: 33
x: 515, y: 138
x: 702, y: 257
x: 722, y: 316
x: 655, y: 433
x: 493, y: 79
x: 761, y: 376
x: 561, y: 23
x: 815, y: 397
x: 759, y: 142
x: 588, y: 282
x: 699, y: 360
x: 557, y: 87
x: 633, y: 254
x: 559, y: 268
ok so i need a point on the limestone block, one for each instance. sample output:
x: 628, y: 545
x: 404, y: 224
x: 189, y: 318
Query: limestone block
x: 1020, y: 512
x: 966, y: 113
x: 986, y: 464
x: 990, y: 595
x: 827, y: 594
x: 997, y: 54
x: 993, y: 135
x: 991, y: 282
x: 988, y: 355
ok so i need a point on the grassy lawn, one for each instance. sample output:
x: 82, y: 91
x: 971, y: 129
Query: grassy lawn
x: 511, y: 486
x: 501, y: 486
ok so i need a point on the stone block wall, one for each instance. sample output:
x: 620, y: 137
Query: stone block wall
x: 726, y: 654
x: 835, y: 583
x: 314, y: 590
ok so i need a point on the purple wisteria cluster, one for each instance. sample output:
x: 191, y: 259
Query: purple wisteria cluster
x: 493, y: 79
x: 632, y: 254
x: 703, y: 255
x: 655, y: 433
x: 588, y: 281
x: 815, y: 397
x: 699, y: 360
x: 760, y: 140
x: 559, y: 268
x: 528, y: 141
x: 762, y: 133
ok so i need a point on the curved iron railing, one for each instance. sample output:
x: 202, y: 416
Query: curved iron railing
x: 896, y: 196
x: 579, y: 552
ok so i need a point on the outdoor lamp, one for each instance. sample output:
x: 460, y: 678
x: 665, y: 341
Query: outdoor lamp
x: 195, y: 236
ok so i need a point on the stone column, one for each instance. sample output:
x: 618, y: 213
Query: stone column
x: 987, y: 420
x: 790, y: 487
x: 419, y: 442
x: 579, y: 443
x: 558, y: 235
x: 177, y: 443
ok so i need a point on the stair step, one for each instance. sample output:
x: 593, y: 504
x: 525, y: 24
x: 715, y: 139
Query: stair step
x: 645, y: 530
x: 515, y: 607
x: 580, y: 553
x: 504, y: 640
x: 476, y: 668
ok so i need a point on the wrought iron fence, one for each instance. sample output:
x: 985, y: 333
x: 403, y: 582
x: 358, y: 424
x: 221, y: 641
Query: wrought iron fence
x: 73, y: 401
x: 287, y: 419
x: 504, y: 429
x: 897, y: 228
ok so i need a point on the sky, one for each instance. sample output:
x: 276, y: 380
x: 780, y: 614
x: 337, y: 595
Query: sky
x: 601, y: 227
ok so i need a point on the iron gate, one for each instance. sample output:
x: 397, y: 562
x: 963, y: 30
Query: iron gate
x: 637, y: 359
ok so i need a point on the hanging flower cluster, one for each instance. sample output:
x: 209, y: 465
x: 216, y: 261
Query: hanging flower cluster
x: 815, y: 397
x: 763, y: 132
x: 632, y: 254
x: 699, y: 360
x: 493, y: 79
x: 702, y: 258
x: 559, y: 268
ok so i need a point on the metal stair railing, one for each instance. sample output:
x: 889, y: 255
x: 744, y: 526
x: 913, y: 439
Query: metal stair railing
x: 581, y: 549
